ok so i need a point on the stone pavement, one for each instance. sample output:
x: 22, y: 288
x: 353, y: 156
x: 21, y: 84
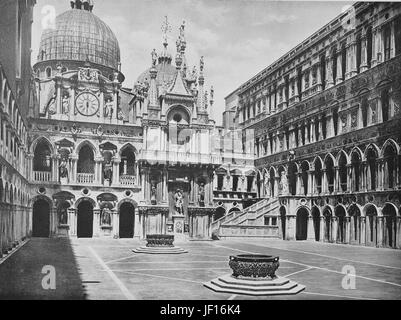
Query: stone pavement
x: 108, y: 269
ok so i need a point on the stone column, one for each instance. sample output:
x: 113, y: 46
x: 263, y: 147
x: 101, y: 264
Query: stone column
x: 299, y: 135
x: 339, y: 66
x: 349, y: 176
x: 364, y: 53
x: 336, y: 179
x: 347, y: 221
x: 363, y: 230
x: 334, y: 228
x: 98, y: 170
x: 73, y: 172
x: 96, y: 223
x: 374, y: 47
x: 311, y: 229
x: 329, y: 70
x: 307, y: 132
x: 312, y: 131
x: 380, y: 230
x: 392, y: 39
x: 310, y: 182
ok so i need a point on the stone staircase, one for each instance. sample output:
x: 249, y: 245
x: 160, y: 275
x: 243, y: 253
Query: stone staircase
x: 249, y: 222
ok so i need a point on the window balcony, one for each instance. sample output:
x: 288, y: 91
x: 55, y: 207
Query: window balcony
x: 42, y: 176
x: 176, y: 156
x: 85, y: 178
x: 127, y: 180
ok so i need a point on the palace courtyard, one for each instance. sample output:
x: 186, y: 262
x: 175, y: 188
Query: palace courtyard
x: 107, y: 269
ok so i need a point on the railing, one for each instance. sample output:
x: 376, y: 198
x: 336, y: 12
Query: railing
x: 42, y: 176
x: 85, y: 178
x: 127, y: 180
x: 183, y: 157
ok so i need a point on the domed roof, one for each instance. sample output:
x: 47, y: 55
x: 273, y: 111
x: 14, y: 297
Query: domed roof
x: 80, y: 35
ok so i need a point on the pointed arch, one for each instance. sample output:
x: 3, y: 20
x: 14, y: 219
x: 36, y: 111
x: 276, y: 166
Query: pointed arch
x: 39, y: 140
x: 86, y: 143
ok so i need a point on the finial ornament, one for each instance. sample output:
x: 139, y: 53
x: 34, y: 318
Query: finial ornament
x: 211, y: 93
x: 166, y: 28
x: 201, y: 64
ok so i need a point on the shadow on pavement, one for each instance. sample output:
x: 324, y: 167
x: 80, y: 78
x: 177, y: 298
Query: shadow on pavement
x: 21, y: 275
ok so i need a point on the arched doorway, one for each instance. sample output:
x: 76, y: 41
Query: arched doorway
x: 390, y: 226
x: 283, y: 221
x: 355, y: 221
x: 219, y: 213
x: 85, y: 220
x: 302, y: 224
x: 316, y: 222
x: 327, y: 214
x: 341, y: 224
x: 371, y: 226
x: 127, y: 220
x: 41, y: 219
x: 86, y: 165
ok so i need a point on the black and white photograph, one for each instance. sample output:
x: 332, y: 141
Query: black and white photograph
x: 210, y: 152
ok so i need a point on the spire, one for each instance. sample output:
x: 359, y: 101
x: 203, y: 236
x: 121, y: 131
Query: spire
x: 82, y: 4
x: 201, y: 81
x: 164, y: 56
x: 153, y: 85
x: 181, y: 46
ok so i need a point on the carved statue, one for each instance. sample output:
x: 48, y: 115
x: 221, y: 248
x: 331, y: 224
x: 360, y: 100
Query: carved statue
x: 108, y: 170
x: 201, y: 195
x: 202, y: 64
x: 153, y: 194
x: 66, y: 104
x: 284, y: 183
x: 108, y: 108
x: 106, y: 217
x: 120, y: 115
x: 63, y: 170
x: 179, y: 202
x: 63, y: 218
x: 154, y: 57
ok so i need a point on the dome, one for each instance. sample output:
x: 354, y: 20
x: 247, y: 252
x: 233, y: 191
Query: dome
x: 165, y: 74
x: 80, y: 35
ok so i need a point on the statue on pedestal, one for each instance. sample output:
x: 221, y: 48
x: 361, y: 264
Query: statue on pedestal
x: 284, y: 183
x: 63, y: 171
x: 179, y: 202
x: 106, y: 217
x: 201, y: 195
x: 108, y: 170
x: 63, y: 218
x: 153, y: 194
x: 66, y: 104
x: 108, y: 108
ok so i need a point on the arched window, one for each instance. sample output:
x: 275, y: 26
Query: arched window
x: 86, y: 163
x: 369, y: 46
x: 390, y: 166
x: 371, y: 169
x: 318, y: 176
x: 342, y: 167
x: 385, y: 101
x: 330, y: 174
x: 42, y: 160
x: 365, y: 106
x: 127, y: 166
x: 355, y: 173
x: 292, y: 178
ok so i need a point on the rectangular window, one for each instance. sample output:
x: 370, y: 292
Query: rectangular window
x: 397, y: 36
x: 387, y: 42
x: 267, y: 221
x: 274, y: 221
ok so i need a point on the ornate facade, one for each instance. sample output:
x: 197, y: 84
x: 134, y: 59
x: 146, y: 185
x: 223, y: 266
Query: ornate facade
x: 326, y: 119
x: 15, y: 94
x: 105, y: 160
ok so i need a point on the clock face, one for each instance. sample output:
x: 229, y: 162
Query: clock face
x: 87, y: 104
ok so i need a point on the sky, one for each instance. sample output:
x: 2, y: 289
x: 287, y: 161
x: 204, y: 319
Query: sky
x: 238, y: 38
